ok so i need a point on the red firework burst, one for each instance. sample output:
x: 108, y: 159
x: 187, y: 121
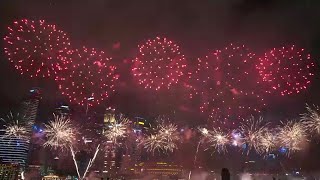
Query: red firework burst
x: 206, y: 75
x: 89, y: 78
x: 224, y: 82
x: 287, y: 70
x: 237, y: 66
x: 227, y: 106
x: 159, y: 64
x: 36, y: 48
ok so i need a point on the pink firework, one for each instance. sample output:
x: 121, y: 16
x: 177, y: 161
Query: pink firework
x: 206, y: 76
x: 228, y: 107
x: 287, y: 70
x: 236, y: 63
x: 36, y: 48
x: 89, y: 78
x: 224, y: 82
x: 159, y: 64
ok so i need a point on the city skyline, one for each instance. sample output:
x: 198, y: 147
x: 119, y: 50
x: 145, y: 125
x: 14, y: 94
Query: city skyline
x: 140, y: 89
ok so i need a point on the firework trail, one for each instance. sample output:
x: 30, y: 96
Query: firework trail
x: 91, y: 162
x: 75, y: 161
x: 195, y: 158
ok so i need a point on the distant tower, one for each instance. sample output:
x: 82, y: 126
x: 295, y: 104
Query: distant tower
x: 63, y: 110
x: 140, y: 128
x: 112, y: 152
x: 30, y: 107
x: 14, y: 150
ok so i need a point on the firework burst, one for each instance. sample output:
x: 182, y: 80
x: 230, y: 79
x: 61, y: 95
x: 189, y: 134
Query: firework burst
x: 154, y: 142
x: 219, y: 141
x: 223, y: 81
x: 168, y: 131
x: 204, y: 131
x: 88, y: 78
x: 268, y: 142
x: 159, y: 64
x: 36, y: 48
x: 287, y: 70
x: 165, y: 139
x: 311, y: 119
x: 216, y: 139
x: 117, y: 128
x: 60, y: 133
x: 170, y: 135
x: 15, y: 127
x: 253, y: 131
x: 292, y: 136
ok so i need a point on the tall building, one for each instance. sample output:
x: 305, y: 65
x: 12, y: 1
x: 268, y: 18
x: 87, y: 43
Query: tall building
x: 112, y: 155
x: 131, y: 155
x: 133, y: 152
x: 167, y: 170
x: 15, y: 150
x: 109, y: 161
x: 30, y: 107
x: 140, y: 128
x: 63, y: 110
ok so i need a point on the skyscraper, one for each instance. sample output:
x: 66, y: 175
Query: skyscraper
x: 30, y: 107
x: 15, y: 150
x: 63, y: 110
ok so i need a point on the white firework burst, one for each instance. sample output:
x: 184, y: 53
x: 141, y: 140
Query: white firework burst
x: 16, y: 126
x: 60, y: 133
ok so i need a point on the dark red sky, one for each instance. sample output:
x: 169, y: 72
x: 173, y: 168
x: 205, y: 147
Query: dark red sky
x: 197, y: 26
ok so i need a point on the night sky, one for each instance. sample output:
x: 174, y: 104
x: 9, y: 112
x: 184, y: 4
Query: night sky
x: 197, y: 27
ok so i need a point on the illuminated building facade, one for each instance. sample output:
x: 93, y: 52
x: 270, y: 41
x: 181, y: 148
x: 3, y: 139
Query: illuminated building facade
x: 109, y: 168
x: 140, y: 126
x: 133, y: 153
x: 30, y: 107
x: 52, y: 177
x: 9, y: 171
x: 14, y: 150
x: 160, y: 169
